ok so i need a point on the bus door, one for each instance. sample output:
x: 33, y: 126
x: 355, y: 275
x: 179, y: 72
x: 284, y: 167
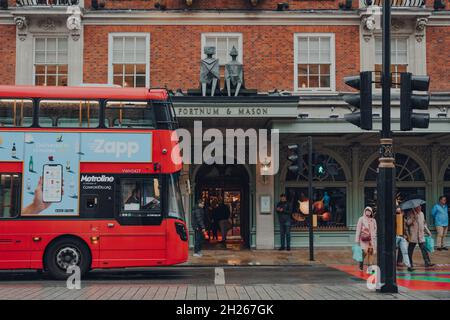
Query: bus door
x: 137, y: 236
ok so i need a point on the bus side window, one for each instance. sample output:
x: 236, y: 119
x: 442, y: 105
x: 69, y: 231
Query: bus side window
x: 16, y: 113
x: 10, y: 184
x: 129, y: 114
x: 69, y: 114
x: 140, y: 199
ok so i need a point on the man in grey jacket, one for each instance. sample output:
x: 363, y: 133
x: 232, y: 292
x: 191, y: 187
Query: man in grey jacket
x: 198, y: 224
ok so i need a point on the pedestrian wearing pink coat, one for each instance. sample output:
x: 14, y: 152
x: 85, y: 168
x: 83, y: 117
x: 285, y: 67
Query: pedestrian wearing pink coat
x: 366, y: 236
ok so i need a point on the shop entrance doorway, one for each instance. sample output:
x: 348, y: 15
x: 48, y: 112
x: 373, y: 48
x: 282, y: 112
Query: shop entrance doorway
x: 224, y: 188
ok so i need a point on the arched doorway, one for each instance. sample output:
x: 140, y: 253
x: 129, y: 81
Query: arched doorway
x: 230, y: 183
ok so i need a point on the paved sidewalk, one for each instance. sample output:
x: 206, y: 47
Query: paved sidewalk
x: 327, y: 256
x: 212, y: 292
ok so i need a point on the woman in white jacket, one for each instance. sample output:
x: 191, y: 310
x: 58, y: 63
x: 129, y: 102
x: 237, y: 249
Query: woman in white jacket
x: 366, y: 236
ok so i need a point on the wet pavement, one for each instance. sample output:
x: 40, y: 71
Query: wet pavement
x: 316, y: 282
x: 192, y: 275
x: 237, y: 274
x: 324, y: 256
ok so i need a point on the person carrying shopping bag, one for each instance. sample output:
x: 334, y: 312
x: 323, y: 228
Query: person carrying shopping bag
x: 401, y: 241
x: 417, y: 228
x: 366, y: 236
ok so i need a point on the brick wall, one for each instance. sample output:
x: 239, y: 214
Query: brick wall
x: 175, y: 53
x: 438, y: 57
x: 222, y: 4
x: 8, y: 54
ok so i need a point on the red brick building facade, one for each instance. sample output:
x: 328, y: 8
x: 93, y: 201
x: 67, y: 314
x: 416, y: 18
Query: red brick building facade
x: 176, y: 32
x: 303, y: 49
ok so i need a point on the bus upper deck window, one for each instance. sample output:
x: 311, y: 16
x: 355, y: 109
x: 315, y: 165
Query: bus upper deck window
x: 16, y: 113
x: 69, y: 113
x: 129, y: 114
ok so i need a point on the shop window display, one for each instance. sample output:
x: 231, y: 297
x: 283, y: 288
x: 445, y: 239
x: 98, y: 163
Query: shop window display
x: 329, y: 207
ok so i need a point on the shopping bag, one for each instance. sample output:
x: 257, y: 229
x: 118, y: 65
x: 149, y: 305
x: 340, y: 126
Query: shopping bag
x: 429, y: 244
x: 357, y: 253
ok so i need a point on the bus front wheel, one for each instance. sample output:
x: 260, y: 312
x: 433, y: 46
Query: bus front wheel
x: 64, y: 255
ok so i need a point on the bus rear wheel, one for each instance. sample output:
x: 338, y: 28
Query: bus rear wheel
x: 66, y: 253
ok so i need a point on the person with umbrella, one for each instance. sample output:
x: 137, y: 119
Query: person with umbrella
x: 416, y: 228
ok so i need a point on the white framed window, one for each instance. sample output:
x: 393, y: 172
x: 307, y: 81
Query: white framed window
x: 314, y: 62
x: 223, y: 42
x: 399, y: 59
x: 50, y: 67
x: 129, y: 59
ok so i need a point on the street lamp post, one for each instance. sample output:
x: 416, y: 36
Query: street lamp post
x: 386, y: 171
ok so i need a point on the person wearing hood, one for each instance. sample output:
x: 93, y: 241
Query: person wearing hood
x: 366, y: 236
x: 198, y: 224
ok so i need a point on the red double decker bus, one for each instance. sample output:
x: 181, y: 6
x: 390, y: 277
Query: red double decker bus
x: 87, y: 179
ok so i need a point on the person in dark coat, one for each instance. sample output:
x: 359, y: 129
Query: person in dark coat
x: 198, y: 224
x: 223, y: 214
x: 284, y: 211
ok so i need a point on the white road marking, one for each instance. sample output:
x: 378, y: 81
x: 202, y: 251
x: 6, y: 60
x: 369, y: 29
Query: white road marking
x: 219, y: 278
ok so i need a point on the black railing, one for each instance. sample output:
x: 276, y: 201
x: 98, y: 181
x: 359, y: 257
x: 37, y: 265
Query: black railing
x: 397, y: 3
x: 28, y: 3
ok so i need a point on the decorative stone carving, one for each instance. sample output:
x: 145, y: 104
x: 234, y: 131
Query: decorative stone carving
x: 209, y: 71
x: 368, y: 26
x: 234, y: 74
x: 370, y: 21
x: 22, y: 27
x: 48, y: 24
x: 421, y: 23
x: 397, y: 25
x: 74, y: 22
x: 189, y: 2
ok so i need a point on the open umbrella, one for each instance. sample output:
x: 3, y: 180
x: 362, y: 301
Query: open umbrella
x: 410, y: 204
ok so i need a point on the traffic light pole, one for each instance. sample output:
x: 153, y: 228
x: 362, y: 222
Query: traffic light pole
x: 310, y: 200
x: 386, y: 171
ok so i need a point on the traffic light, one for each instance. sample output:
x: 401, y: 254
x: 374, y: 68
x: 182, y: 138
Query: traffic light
x: 410, y: 101
x: 362, y: 101
x: 321, y: 169
x: 296, y: 158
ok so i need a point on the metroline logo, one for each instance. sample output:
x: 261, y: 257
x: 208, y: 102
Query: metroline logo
x: 117, y: 148
x: 102, y: 178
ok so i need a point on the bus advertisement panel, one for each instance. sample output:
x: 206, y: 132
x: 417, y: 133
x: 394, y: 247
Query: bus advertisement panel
x: 11, y: 146
x: 50, y: 173
x: 116, y: 147
x: 51, y: 164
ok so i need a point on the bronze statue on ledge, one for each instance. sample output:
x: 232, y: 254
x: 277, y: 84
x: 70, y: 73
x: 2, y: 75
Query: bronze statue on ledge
x: 209, y: 71
x: 234, y: 74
